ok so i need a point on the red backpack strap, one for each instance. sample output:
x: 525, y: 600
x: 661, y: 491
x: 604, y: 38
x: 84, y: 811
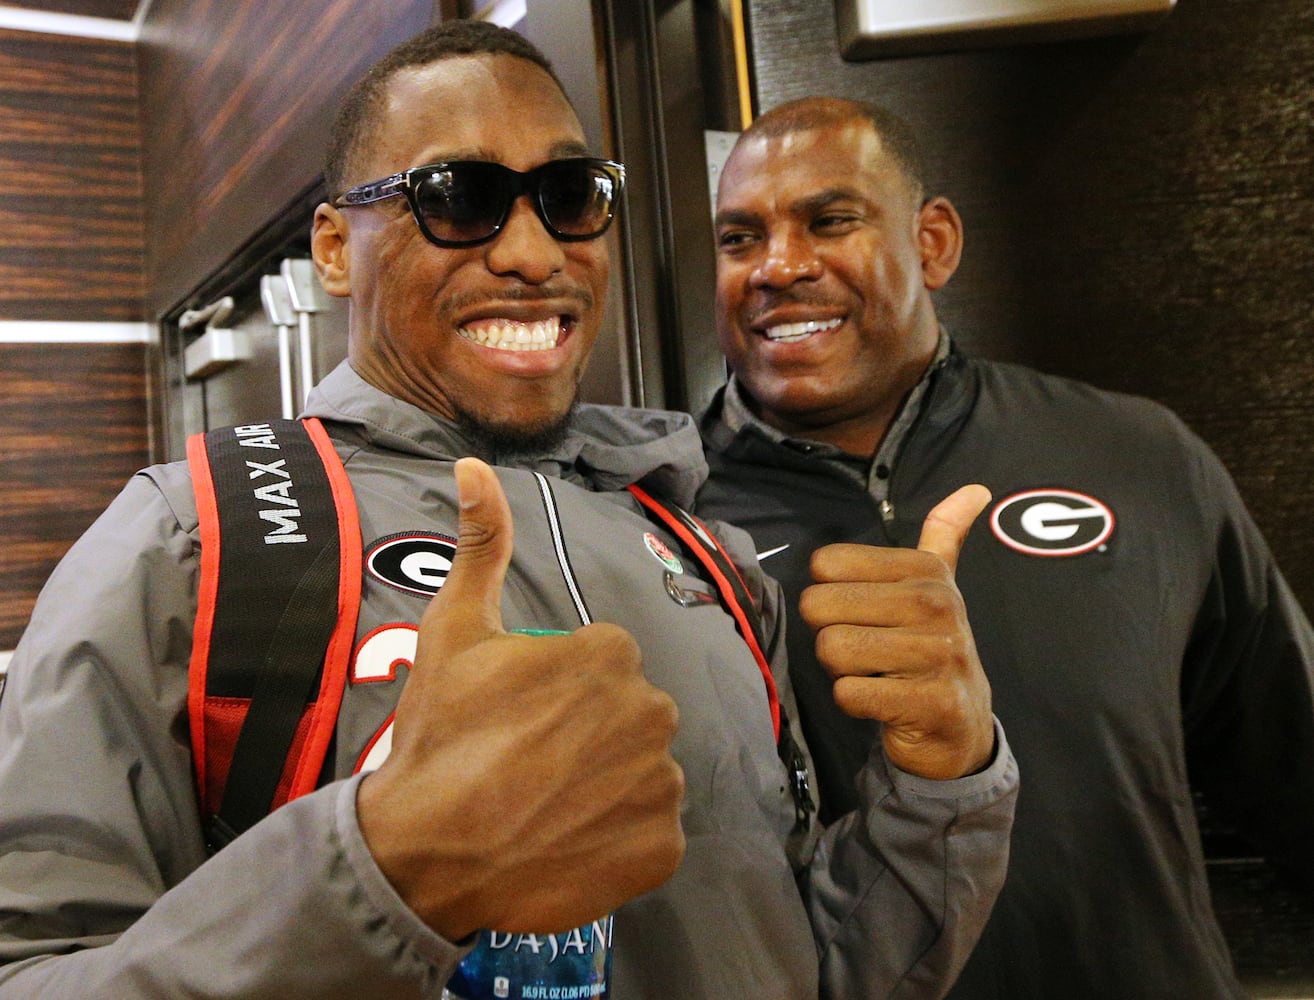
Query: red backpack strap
x: 696, y: 540
x: 276, y: 615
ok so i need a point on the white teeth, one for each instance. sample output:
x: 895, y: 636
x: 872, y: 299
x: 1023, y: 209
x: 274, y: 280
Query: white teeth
x: 512, y: 335
x: 797, y: 331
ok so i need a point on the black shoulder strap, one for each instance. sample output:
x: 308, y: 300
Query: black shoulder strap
x: 276, y: 573
x: 700, y: 543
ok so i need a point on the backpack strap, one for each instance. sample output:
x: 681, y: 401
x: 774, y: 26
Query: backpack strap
x: 700, y: 543
x: 280, y: 546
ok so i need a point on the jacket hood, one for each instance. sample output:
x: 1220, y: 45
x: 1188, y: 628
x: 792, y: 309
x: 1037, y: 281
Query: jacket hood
x: 606, y: 447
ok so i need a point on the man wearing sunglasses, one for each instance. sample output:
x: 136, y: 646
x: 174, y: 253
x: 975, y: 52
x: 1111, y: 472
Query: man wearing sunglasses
x: 480, y: 779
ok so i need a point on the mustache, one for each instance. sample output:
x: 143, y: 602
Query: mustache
x: 764, y: 302
x: 551, y: 291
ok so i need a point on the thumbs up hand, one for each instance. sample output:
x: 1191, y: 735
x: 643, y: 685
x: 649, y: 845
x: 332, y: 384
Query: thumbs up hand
x: 892, y: 630
x: 531, y: 786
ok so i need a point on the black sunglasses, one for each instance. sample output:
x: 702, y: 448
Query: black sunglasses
x: 467, y: 202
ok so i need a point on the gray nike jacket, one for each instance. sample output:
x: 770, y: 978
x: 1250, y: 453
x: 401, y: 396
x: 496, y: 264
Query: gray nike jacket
x: 106, y: 890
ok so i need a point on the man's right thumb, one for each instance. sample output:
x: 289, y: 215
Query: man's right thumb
x: 470, y: 601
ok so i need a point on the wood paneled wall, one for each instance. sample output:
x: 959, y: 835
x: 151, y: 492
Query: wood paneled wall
x: 72, y: 429
x: 237, y: 99
x: 72, y: 416
x: 1139, y: 214
x: 70, y: 179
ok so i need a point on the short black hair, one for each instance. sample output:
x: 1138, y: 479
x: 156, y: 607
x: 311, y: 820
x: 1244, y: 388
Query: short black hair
x: 896, y: 134
x: 358, y: 116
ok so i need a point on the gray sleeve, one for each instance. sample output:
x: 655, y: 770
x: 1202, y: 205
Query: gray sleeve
x: 105, y: 889
x: 899, y: 892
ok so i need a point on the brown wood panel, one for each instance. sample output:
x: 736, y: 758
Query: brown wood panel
x: 70, y: 179
x: 119, y: 10
x: 72, y: 430
x: 238, y: 97
x: 1139, y: 214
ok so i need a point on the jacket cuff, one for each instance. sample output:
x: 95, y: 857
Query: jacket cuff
x: 999, y: 776
x: 400, y: 919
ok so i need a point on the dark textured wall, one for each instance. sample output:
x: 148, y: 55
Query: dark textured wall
x: 1139, y: 213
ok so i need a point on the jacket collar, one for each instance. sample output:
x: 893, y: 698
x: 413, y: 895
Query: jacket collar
x: 728, y: 427
x: 606, y: 448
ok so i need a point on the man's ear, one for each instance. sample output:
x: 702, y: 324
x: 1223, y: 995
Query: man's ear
x: 328, y: 247
x: 940, y: 238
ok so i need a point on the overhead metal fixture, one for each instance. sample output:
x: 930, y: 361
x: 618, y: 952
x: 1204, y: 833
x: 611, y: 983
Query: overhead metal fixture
x: 218, y: 347
x: 871, y: 29
x: 216, y: 312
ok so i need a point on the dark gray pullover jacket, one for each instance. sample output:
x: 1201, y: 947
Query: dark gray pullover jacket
x: 1138, y: 637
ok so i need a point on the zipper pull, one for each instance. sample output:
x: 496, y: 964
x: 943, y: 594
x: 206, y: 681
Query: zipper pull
x: 887, y: 512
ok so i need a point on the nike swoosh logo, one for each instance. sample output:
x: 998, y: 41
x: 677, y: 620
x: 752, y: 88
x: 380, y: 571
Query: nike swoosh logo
x: 771, y: 552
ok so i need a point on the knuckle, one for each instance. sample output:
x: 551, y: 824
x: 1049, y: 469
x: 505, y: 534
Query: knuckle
x: 674, y: 781
x: 832, y: 644
x: 943, y: 701
x: 932, y: 566
x: 612, y: 643
x: 474, y: 537
x: 667, y: 854
x: 934, y: 599
x: 851, y: 697
x: 837, y: 560
x: 951, y: 652
x: 675, y: 856
x: 664, y: 716
x: 820, y: 562
x: 810, y: 605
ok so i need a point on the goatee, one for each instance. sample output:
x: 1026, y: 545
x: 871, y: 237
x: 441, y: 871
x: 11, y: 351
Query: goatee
x: 502, y: 441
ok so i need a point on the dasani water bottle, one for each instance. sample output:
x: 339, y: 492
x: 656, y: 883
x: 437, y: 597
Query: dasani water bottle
x: 574, y: 965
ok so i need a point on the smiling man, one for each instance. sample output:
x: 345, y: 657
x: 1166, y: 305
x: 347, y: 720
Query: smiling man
x: 641, y: 764
x: 530, y: 299
x: 827, y: 257
x: 1137, y: 632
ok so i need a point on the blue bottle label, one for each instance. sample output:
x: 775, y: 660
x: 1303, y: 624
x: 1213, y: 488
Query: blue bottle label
x: 572, y: 966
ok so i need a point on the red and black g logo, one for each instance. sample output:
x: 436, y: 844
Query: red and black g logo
x: 414, y: 561
x: 1052, y: 522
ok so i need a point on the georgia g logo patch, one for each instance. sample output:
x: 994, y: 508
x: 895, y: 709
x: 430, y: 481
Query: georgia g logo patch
x: 413, y: 561
x: 1052, y: 522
